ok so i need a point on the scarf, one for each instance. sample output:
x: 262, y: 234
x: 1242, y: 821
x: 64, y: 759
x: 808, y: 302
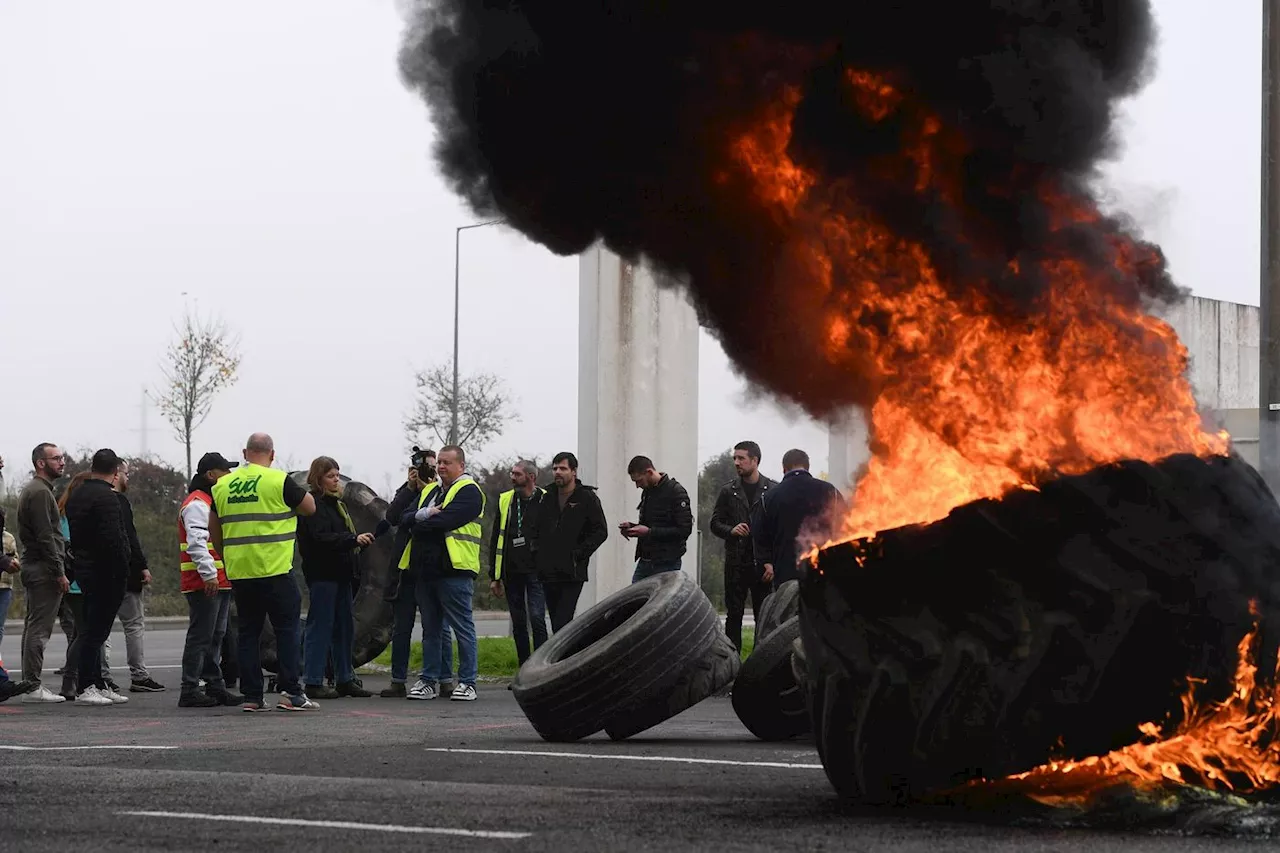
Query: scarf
x: 342, y: 508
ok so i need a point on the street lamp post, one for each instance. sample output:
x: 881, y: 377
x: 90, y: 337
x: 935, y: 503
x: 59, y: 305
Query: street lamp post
x: 457, y: 248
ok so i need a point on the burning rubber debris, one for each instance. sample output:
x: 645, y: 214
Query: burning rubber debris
x: 905, y: 190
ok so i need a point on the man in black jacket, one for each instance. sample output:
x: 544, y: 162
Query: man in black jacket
x: 571, y: 527
x: 100, y: 540
x: 736, y: 504
x: 801, y: 505
x: 666, y: 520
x: 132, y: 616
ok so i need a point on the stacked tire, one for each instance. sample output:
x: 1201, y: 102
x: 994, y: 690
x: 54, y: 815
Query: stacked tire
x: 636, y: 659
x: 769, y: 695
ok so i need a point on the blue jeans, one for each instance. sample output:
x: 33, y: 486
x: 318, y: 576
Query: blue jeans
x: 330, y: 623
x: 407, y: 605
x: 276, y: 598
x: 6, y: 595
x: 447, y: 600
x: 528, y: 606
x: 649, y: 568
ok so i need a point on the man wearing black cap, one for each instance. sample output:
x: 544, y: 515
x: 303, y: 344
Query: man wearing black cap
x: 207, y: 590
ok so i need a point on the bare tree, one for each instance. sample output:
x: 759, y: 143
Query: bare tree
x: 483, y: 406
x: 202, y: 359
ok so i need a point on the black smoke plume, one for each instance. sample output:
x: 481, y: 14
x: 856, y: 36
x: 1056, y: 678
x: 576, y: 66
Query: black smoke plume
x: 585, y: 121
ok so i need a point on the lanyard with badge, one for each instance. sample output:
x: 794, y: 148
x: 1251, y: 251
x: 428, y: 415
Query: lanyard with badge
x: 518, y: 540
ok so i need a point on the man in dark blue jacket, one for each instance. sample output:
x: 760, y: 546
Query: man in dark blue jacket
x: 445, y: 556
x: 800, y: 504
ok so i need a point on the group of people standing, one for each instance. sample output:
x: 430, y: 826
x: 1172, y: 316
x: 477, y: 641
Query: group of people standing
x: 237, y: 529
x: 86, y: 591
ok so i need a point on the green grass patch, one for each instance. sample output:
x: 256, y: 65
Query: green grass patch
x: 497, y: 655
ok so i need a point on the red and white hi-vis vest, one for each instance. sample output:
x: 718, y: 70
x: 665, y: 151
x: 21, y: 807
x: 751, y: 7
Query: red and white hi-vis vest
x: 191, y: 581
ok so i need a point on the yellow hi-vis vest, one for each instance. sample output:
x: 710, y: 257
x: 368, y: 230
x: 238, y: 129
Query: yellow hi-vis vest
x: 258, y: 527
x: 504, y: 511
x: 463, y: 544
x: 422, y: 499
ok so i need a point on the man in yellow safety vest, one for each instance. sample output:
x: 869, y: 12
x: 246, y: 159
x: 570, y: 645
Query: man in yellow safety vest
x: 444, y: 554
x: 409, y: 498
x: 253, y: 524
x: 512, y: 570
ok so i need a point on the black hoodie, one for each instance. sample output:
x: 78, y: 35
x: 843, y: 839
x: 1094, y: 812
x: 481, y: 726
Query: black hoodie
x: 566, y: 538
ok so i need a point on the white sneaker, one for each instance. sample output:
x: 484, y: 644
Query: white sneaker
x: 464, y: 693
x: 422, y: 690
x: 93, y: 696
x: 43, y: 694
x: 114, y: 697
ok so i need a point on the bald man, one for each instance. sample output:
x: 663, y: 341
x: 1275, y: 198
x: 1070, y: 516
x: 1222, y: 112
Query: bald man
x: 253, y: 525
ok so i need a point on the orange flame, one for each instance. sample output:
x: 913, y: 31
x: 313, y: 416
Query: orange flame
x: 967, y: 404
x: 1229, y: 745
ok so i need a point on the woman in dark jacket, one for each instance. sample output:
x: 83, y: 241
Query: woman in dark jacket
x: 330, y: 550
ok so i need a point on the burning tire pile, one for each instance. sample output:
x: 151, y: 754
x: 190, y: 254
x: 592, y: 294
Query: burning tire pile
x: 1050, y: 624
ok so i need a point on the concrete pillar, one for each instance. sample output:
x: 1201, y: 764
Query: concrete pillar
x: 637, y: 396
x: 847, y: 449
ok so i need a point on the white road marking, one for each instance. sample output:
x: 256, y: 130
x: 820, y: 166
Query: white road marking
x: 150, y: 666
x: 334, y: 824
x: 15, y: 748
x: 781, y: 765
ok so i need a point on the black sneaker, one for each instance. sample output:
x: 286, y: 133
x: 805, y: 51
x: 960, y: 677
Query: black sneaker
x: 397, y: 690
x: 353, y: 689
x: 225, y: 697
x: 197, y: 700
x: 146, y: 685
x: 321, y: 691
x: 8, y: 689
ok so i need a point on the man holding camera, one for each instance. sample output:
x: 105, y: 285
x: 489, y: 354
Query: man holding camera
x: 413, y: 494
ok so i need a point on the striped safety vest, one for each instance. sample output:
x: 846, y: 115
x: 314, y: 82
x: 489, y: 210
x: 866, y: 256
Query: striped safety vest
x: 463, y: 544
x: 258, y: 527
x: 190, y: 575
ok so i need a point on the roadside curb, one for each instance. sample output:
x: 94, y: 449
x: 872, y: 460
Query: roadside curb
x: 379, y: 669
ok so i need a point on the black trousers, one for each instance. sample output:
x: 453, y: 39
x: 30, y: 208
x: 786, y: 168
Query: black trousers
x: 528, y: 607
x: 101, y: 598
x: 258, y: 599
x: 739, y: 583
x: 562, y: 601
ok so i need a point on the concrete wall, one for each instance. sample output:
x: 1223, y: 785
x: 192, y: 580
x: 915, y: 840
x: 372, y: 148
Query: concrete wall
x: 637, y: 396
x: 1223, y: 340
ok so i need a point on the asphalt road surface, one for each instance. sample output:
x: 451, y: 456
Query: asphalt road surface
x: 395, y: 775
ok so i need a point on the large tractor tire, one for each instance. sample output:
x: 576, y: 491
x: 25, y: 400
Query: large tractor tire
x: 378, y: 575
x: 766, y: 696
x: 708, y: 677
x: 631, y: 647
x: 1047, y: 623
x: 778, y: 606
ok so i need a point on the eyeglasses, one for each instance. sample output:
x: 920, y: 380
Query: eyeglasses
x: 58, y: 458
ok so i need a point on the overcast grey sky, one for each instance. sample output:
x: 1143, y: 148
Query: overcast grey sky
x: 262, y: 161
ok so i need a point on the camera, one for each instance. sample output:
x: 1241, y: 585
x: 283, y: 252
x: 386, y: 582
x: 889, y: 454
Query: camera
x: 421, y: 461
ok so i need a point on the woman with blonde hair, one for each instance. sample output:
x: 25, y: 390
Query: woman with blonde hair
x: 330, y: 548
